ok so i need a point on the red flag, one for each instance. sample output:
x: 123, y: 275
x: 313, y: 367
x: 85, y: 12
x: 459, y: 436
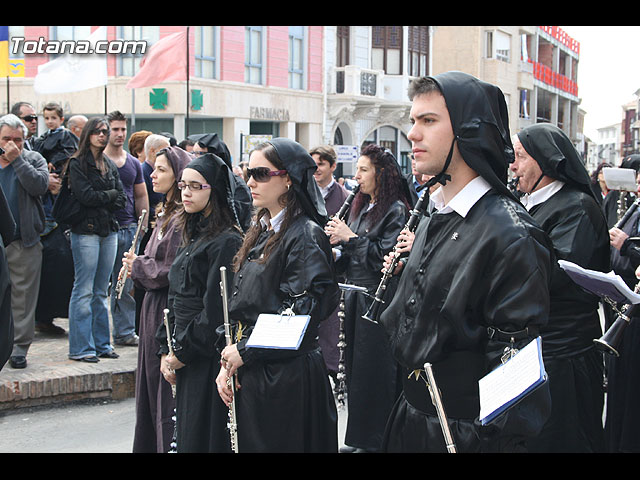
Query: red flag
x: 166, y: 60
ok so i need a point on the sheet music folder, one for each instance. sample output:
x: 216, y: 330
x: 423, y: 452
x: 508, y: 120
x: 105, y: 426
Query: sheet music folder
x: 512, y: 381
x: 601, y: 284
x: 278, y: 331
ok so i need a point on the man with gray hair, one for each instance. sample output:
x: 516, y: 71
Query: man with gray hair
x: 24, y: 178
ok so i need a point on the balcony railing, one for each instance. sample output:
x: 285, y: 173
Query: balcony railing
x: 554, y: 79
x: 354, y: 80
x: 562, y: 37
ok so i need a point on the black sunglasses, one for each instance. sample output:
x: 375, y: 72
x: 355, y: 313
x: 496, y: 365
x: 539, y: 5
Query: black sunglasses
x: 99, y: 131
x: 30, y: 118
x: 263, y: 174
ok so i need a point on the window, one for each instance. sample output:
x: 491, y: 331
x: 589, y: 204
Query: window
x: 498, y: 45
x: 418, y: 51
x: 342, y: 44
x: 296, y: 57
x: 205, y: 51
x: 386, y: 49
x: 253, y: 55
x: 128, y: 63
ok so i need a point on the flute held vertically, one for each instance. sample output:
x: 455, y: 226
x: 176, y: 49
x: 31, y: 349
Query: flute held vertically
x: 411, y: 225
x: 437, y: 402
x: 232, y: 424
x: 122, y: 276
x: 174, y: 441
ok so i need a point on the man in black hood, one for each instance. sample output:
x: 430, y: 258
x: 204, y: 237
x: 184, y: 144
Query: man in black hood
x: 558, y: 194
x: 476, y: 280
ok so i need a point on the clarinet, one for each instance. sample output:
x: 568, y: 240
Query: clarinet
x: 174, y: 443
x: 412, y: 224
x: 347, y: 203
x: 232, y: 425
x: 623, y: 220
x: 122, y: 276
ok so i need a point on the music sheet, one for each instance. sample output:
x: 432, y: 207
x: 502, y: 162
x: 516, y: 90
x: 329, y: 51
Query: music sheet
x: 601, y: 284
x: 278, y: 331
x: 511, y: 381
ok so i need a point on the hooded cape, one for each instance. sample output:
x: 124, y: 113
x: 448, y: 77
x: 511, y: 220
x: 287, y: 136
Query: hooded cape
x: 480, y: 122
x: 300, y: 167
x: 556, y: 155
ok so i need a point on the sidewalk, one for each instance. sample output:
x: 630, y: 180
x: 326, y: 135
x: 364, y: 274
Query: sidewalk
x: 51, y: 377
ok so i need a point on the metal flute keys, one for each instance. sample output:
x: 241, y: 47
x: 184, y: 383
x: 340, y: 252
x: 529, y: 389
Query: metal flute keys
x: 412, y: 224
x: 437, y: 402
x: 174, y: 444
x: 232, y: 424
x: 122, y: 276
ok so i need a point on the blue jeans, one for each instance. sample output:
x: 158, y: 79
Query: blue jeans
x: 123, y: 309
x: 93, y: 258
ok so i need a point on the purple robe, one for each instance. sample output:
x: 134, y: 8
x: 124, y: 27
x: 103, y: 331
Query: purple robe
x: 154, y: 401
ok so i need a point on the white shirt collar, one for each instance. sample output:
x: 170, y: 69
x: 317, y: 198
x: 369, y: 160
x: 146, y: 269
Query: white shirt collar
x: 464, y: 199
x: 530, y: 200
x: 276, y: 221
x: 325, y: 190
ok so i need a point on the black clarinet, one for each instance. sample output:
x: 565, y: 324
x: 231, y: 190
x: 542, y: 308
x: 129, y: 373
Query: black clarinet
x: 387, y: 273
x: 621, y: 223
x: 347, y: 203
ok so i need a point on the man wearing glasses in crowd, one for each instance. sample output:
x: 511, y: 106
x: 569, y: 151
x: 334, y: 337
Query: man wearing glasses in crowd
x: 25, y: 112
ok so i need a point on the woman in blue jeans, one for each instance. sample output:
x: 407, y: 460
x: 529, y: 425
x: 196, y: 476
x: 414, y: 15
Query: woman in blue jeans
x: 94, y: 180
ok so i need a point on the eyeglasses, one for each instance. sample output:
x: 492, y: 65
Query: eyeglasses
x: 193, y: 186
x: 29, y: 118
x: 103, y: 131
x: 263, y: 174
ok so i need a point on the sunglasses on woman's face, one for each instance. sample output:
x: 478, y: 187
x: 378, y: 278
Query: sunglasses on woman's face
x: 263, y: 174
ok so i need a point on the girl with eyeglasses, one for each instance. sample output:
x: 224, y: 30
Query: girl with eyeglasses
x: 210, y: 239
x: 150, y: 272
x: 378, y: 213
x: 285, y: 402
x: 95, y: 181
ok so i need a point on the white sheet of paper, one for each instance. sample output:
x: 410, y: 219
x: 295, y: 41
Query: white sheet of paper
x: 607, y: 277
x: 510, y: 380
x: 620, y: 178
x: 278, y: 331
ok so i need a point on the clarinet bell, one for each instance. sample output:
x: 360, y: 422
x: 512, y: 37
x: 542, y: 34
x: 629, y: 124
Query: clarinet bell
x: 610, y: 341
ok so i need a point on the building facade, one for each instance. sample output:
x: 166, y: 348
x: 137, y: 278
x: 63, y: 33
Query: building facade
x: 243, y: 81
x: 339, y: 85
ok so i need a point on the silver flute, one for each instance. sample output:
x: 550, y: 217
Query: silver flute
x: 122, y: 276
x: 174, y: 444
x: 437, y: 402
x: 232, y: 425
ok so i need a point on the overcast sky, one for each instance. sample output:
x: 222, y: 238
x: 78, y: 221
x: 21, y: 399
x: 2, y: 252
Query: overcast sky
x: 608, y: 72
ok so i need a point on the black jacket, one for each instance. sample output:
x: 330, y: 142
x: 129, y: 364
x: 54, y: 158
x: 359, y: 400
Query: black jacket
x: 100, y: 195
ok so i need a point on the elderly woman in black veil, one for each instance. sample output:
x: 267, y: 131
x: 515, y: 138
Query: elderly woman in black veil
x: 285, y: 402
x: 211, y: 238
x: 378, y: 214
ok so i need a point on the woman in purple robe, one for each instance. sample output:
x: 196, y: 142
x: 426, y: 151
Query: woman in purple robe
x: 154, y: 399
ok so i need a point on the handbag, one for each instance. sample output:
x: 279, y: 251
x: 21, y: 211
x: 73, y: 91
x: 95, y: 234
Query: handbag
x: 67, y: 210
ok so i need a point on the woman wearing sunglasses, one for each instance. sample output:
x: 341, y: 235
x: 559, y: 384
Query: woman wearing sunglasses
x: 150, y: 272
x: 210, y: 239
x: 95, y: 181
x: 378, y: 214
x: 285, y: 402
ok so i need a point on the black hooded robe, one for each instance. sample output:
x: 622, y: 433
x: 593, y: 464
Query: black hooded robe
x: 622, y: 425
x: 574, y: 221
x: 285, y: 403
x: 372, y: 374
x: 466, y: 280
x: 579, y: 234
